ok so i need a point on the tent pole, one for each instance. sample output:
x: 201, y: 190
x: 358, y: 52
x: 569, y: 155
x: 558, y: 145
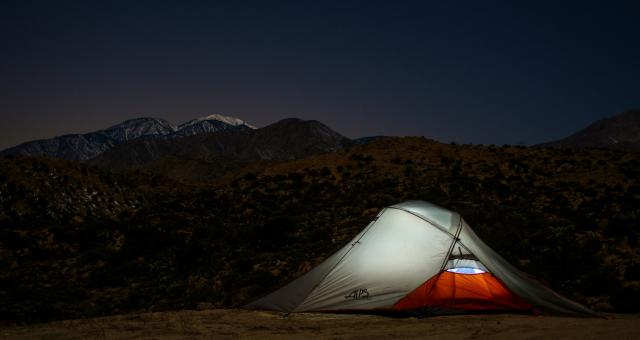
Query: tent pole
x: 444, y: 264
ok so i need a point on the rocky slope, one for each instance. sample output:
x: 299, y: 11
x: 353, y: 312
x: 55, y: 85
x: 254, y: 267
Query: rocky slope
x: 620, y: 132
x: 81, y: 147
x: 285, y: 140
x: 211, y: 123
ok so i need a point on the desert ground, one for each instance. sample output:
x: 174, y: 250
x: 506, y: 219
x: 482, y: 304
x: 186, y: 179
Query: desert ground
x: 234, y: 323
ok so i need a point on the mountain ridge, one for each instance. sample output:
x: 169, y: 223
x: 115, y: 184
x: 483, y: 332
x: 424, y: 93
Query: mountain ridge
x: 287, y: 139
x: 620, y: 132
x: 82, y: 147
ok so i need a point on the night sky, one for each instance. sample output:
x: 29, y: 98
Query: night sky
x: 464, y: 71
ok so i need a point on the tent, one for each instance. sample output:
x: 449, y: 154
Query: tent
x: 417, y: 257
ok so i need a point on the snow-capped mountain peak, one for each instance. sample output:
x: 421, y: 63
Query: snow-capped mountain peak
x: 81, y: 147
x: 233, y: 121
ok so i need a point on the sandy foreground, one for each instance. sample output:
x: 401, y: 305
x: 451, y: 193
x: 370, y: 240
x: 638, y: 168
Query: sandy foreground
x: 234, y: 323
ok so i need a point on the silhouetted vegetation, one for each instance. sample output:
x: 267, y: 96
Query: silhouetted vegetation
x: 78, y: 242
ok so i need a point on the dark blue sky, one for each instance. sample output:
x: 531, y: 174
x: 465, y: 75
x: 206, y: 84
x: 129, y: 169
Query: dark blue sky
x: 469, y: 71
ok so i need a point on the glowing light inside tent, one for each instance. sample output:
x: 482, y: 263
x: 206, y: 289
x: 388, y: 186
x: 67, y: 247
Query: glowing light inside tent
x: 466, y: 270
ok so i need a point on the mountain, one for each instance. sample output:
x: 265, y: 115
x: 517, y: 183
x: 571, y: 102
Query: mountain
x: 620, y: 132
x: 212, y: 123
x: 74, y: 147
x: 139, y: 127
x: 81, y: 147
x: 284, y: 140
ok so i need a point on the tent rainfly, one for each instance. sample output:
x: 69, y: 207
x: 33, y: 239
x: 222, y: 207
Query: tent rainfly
x: 417, y: 257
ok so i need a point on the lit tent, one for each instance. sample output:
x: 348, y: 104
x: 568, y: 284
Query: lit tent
x: 417, y: 257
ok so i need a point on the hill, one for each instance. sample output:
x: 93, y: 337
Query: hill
x: 620, y: 132
x: 568, y: 218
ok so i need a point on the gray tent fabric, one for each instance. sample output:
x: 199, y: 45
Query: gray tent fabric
x: 403, y: 247
x: 291, y: 296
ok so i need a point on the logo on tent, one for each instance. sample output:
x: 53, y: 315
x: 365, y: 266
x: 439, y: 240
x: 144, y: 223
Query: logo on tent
x: 357, y: 294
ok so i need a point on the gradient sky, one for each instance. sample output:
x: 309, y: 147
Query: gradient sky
x: 465, y: 71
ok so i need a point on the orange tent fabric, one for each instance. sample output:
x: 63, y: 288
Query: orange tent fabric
x: 449, y: 290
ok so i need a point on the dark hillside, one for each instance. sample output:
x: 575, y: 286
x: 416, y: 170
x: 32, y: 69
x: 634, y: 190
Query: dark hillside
x: 620, y: 132
x: 568, y: 218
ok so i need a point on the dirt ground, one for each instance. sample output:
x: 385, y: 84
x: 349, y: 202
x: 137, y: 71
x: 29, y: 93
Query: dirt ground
x: 221, y: 324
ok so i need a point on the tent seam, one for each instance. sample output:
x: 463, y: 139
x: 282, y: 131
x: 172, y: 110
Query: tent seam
x: 439, y: 227
x: 444, y: 264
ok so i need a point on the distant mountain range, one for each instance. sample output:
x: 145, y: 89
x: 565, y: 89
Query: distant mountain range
x: 620, y: 132
x: 212, y: 145
x: 287, y: 139
x: 218, y: 138
x: 82, y: 147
